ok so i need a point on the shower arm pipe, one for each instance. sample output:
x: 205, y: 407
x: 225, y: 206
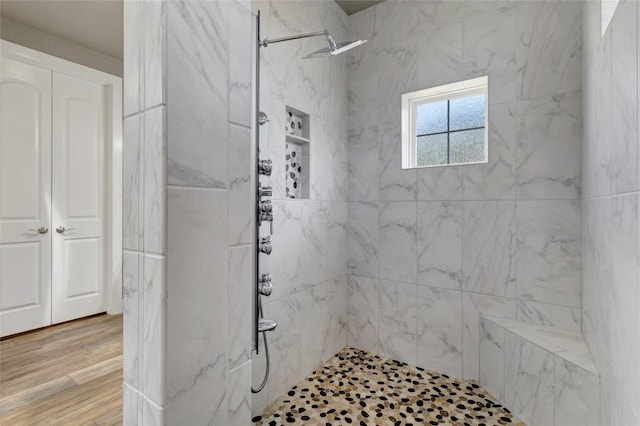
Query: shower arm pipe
x: 266, y: 42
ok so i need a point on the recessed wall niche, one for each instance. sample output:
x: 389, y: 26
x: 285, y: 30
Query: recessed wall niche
x: 297, y: 154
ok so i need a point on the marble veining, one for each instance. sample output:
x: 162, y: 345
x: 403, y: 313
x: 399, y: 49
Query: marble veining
x: 440, y: 184
x: 548, y: 314
x: 624, y: 114
x: 131, y: 63
x: 440, y: 332
x: 152, y: 356
x: 495, y: 180
x: 440, y: 244
x: 528, y: 377
x: 550, y: 50
x: 241, y: 219
x: 476, y: 227
x: 527, y: 366
x: 491, y: 358
x: 548, y: 253
x: 398, y: 321
x: 362, y: 227
x: 363, y: 163
x: 397, y: 229
x: 444, y: 47
x: 394, y: 183
x: 489, y: 29
x: 284, y: 344
x: 324, y: 330
x: 238, y: 292
x: 566, y: 344
x: 362, y: 313
x: 154, y: 181
x: 284, y: 262
x: 238, y: 396
x: 133, y: 204
x: 154, y: 16
x: 473, y: 306
x: 198, y: 107
x: 489, y: 247
x: 131, y: 324
x: 548, y: 131
x: 576, y: 396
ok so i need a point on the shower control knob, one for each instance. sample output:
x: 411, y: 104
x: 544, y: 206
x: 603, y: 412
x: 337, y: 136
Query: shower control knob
x: 265, y: 245
x: 265, y: 206
x: 264, y: 278
x: 266, y: 248
x: 264, y: 167
x: 265, y: 191
x: 265, y: 289
x: 264, y: 284
x: 265, y: 217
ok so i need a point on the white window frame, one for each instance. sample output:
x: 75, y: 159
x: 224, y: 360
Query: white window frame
x: 410, y: 102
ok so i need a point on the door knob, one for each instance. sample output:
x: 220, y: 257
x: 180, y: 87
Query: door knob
x: 62, y: 229
x: 42, y: 230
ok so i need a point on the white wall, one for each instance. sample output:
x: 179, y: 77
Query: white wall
x: 431, y: 249
x: 611, y: 294
x: 33, y: 38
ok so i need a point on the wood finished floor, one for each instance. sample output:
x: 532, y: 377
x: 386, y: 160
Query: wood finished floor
x: 67, y: 374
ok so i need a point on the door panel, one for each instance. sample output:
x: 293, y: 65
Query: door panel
x: 83, y: 156
x: 78, y: 190
x: 20, y: 264
x: 25, y: 194
x: 82, y: 263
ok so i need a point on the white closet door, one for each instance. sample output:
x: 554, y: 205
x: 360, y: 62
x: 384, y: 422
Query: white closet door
x: 78, y: 190
x: 25, y: 197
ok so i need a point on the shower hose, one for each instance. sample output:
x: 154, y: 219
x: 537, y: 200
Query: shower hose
x: 266, y: 352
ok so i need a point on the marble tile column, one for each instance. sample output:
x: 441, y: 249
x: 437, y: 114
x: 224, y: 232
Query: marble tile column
x: 144, y: 228
x: 188, y: 242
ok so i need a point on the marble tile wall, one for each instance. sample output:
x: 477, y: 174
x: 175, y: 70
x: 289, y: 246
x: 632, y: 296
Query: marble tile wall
x: 144, y: 231
x: 540, y: 386
x: 309, y: 259
x: 610, y: 207
x: 432, y: 249
x: 188, y: 228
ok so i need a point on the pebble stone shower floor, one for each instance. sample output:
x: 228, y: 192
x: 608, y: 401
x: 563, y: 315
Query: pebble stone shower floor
x: 356, y: 387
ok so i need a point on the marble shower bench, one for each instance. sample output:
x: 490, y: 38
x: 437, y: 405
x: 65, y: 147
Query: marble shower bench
x: 545, y: 375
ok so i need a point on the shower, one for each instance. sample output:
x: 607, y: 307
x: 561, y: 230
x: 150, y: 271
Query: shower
x: 333, y: 48
x: 264, y: 208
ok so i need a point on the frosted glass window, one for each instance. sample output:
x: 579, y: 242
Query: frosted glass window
x: 431, y: 118
x: 445, y: 125
x: 467, y: 146
x: 467, y: 112
x: 432, y: 150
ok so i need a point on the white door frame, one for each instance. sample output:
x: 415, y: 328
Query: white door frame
x: 113, y: 150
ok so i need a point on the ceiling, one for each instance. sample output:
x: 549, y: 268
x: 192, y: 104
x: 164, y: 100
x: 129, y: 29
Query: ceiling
x: 353, y: 6
x: 95, y: 24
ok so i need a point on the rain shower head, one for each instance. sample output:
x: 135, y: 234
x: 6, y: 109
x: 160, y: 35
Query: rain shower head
x: 334, y: 48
